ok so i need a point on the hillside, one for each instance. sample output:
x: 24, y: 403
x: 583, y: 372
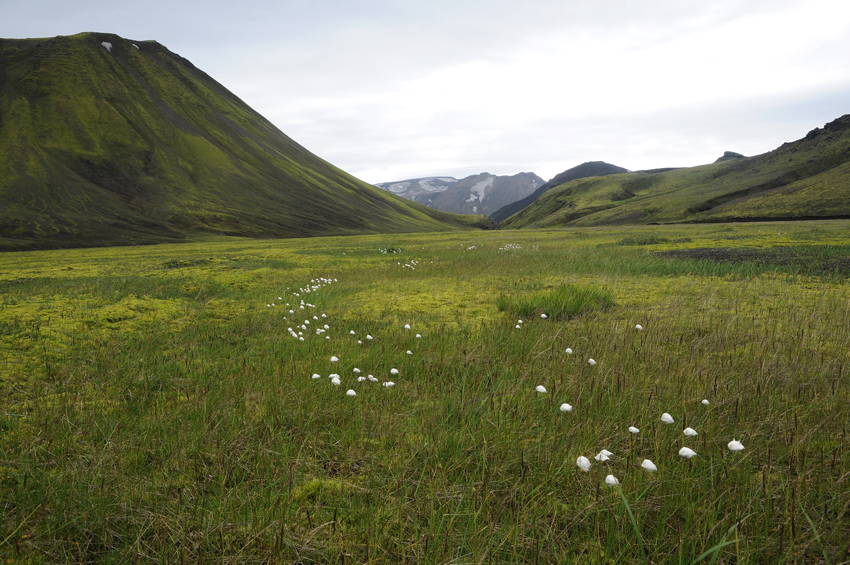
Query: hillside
x: 108, y: 141
x: 476, y: 194
x: 806, y: 179
x: 589, y: 169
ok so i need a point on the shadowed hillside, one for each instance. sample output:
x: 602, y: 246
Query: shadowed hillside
x: 590, y: 169
x: 806, y: 179
x: 108, y: 141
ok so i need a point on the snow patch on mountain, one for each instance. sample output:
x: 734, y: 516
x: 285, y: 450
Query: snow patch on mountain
x: 479, y: 190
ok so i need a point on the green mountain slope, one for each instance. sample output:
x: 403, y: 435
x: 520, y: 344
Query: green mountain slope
x: 108, y: 141
x: 809, y: 178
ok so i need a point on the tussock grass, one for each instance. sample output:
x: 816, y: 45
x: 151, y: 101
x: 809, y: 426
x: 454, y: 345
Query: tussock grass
x: 165, y: 414
x: 561, y: 303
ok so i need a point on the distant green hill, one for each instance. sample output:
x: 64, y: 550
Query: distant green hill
x: 809, y: 178
x: 108, y: 141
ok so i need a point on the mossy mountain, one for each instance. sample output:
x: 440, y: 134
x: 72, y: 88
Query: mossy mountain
x: 805, y: 179
x: 109, y: 141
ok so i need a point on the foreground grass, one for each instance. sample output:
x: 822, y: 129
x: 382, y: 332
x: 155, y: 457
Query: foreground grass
x: 155, y: 408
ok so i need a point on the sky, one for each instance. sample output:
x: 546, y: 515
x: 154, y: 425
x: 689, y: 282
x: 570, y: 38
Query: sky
x: 397, y: 89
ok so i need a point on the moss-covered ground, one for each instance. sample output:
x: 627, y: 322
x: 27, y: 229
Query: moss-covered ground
x: 156, y: 406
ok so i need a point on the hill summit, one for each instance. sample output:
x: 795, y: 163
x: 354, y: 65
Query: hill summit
x: 110, y: 141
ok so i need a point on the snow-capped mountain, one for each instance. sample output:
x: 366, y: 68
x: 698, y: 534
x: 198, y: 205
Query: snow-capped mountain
x: 477, y: 194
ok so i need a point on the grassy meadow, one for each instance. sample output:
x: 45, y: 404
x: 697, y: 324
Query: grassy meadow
x: 155, y: 406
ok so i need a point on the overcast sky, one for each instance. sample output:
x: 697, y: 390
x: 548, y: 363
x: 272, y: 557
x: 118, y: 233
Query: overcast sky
x: 396, y: 89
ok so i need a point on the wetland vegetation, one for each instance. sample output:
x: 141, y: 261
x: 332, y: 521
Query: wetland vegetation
x: 156, y: 407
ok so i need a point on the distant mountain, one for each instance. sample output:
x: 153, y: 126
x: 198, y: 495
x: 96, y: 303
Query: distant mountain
x: 476, y: 194
x: 589, y: 169
x: 806, y: 179
x: 110, y: 141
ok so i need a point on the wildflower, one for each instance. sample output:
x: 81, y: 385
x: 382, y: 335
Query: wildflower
x: 591, y: 362
x: 418, y: 336
x: 351, y: 332
x: 389, y: 384
x: 544, y: 316
x: 603, y: 455
x: 667, y: 418
x: 350, y: 392
x: 611, y: 480
x: 409, y: 352
x: 407, y: 326
x: 568, y: 351
x: 687, y: 452
x: 317, y: 376
x: 735, y: 445
x: 368, y: 336
x: 634, y: 430
x: 393, y: 371
x: 334, y: 359
x: 639, y: 327
x: 649, y: 465
x: 566, y: 407
x: 540, y: 388
x: 356, y: 370
x: 583, y: 463
x: 705, y: 402
x: 689, y: 432
x: 361, y: 379
x: 371, y: 378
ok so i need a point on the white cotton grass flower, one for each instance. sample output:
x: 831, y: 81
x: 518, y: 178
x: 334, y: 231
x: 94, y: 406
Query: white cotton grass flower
x: 649, y: 465
x: 544, y: 316
x: 667, y: 418
x: 687, y: 452
x: 359, y: 342
x: 389, y: 384
x: 568, y: 351
x: 517, y: 326
x: 603, y: 456
x: 393, y: 371
x: 540, y: 388
x: 418, y: 336
x: 566, y: 407
x: 336, y: 382
x: 368, y: 336
x: 317, y: 376
x: 300, y: 339
x: 611, y: 481
x: 409, y: 352
x: 591, y: 361
x: 634, y: 430
x: 356, y: 370
x: 583, y: 463
x: 350, y: 392
x: 351, y: 332
x: 689, y: 432
x: 735, y: 445
x: 361, y: 379
x: 407, y: 326
x: 705, y: 402
x: 334, y: 358
x: 639, y: 327
x: 324, y: 316
x: 372, y: 378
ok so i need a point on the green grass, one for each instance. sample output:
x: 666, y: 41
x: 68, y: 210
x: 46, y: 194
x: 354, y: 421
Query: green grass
x: 155, y: 409
x: 559, y: 304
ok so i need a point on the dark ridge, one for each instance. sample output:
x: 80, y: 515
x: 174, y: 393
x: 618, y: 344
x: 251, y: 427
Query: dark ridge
x: 589, y: 169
